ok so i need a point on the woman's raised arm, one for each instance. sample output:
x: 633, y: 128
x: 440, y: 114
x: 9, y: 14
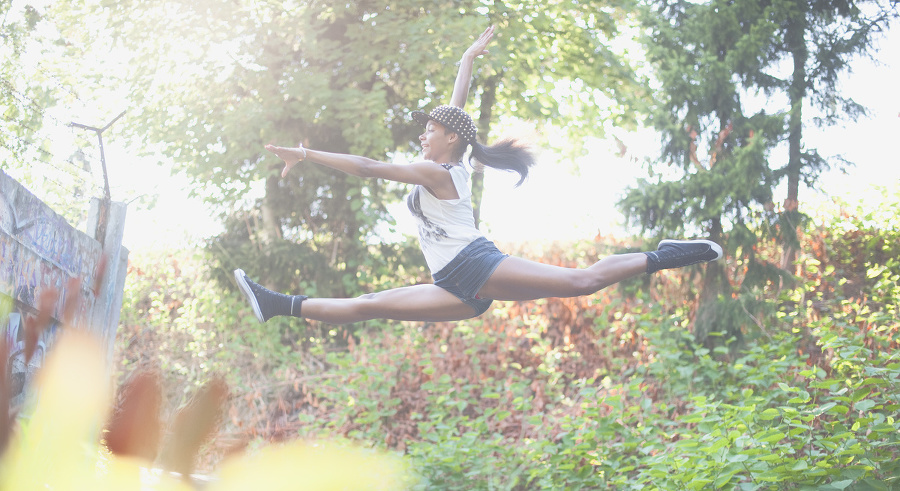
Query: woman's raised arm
x: 464, y: 76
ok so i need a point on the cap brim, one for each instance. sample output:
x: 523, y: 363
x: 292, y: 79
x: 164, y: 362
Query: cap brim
x: 420, y: 117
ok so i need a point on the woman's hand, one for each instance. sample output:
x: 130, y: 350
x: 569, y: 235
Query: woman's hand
x: 478, y: 48
x: 464, y: 75
x: 290, y: 156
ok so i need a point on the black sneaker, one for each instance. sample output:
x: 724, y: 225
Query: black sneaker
x: 680, y: 253
x: 266, y: 303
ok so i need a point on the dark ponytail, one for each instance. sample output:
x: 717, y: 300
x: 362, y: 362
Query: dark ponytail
x: 509, y: 155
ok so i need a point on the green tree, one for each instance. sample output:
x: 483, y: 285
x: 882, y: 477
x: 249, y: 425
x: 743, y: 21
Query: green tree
x: 30, y: 98
x: 720, y: 119
x: 21, y: 118
x: 819, y: 39
x: 560, y: 64
x: 713, y: 172
x: 212, y: 83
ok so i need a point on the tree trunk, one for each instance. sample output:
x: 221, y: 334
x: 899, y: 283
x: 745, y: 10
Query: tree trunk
x: 270, y: 230
x: 270, y: 227
x: 714, y: 285
x: 796, y: 38
x: 488, y: 97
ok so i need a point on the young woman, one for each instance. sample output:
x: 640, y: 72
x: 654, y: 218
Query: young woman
x: 469, y: 272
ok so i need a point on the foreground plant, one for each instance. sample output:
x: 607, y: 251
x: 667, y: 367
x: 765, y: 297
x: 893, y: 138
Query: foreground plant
x: 58, y: 445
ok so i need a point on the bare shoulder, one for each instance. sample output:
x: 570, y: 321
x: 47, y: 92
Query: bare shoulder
x: 436, y: 178
x: 427, y: 164
x: 429, y: 168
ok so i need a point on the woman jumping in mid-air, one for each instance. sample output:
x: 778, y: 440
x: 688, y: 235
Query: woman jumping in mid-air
x: 469, y: 271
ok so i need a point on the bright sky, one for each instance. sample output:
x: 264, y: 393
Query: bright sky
x: 555, y: 204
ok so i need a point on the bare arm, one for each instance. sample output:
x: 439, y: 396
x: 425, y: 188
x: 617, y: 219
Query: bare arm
x: 428, y: 174
x: 464, y: 76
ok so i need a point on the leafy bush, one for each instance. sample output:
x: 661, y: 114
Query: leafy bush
x: 604, y: 392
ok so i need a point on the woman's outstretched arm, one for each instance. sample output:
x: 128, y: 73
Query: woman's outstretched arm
x: 349, y: 164
x: 464, y: 76
x: 434, y: 177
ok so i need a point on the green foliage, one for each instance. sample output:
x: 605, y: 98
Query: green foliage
x: 713, y: 177
x: 29, y: 102
x: 226, y: 79
x: 769, y: 419
x: 862, y: 246
x: 554, y: 63
x: 21, y: 120
x: 175, y: 319
x: 713, y: 168
x: 691, y: 419
x: 610, y: 393
x: 710, y: 60
x: 314, y: 267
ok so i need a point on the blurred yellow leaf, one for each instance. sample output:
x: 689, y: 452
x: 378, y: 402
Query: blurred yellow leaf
x: 312, y: 466
x: 57, y: 446
x: 130, y: 473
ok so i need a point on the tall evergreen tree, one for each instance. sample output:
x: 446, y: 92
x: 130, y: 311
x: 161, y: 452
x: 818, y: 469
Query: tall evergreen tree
x: 713, y: 173
x: 819, y: 39
x: 720, y: 114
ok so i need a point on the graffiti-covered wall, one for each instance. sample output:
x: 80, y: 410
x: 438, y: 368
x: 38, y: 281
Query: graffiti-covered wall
x: 40, y: 251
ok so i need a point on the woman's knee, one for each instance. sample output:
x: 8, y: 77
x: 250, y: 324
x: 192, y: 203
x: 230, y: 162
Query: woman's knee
x: 586, y: 282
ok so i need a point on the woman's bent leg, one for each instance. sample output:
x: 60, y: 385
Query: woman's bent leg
x: 521, y: 279
x: 424, y: 303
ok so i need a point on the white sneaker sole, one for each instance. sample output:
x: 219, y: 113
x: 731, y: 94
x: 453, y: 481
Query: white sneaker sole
x: 712, y: 245
x: 241, y: 279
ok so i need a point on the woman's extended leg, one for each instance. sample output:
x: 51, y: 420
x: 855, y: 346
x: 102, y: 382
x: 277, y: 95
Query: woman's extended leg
x: 412, y: 303
x: 521, y: 279
x: 426, y: 303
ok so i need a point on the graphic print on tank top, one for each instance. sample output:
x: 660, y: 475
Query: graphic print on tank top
x: 428, y: 230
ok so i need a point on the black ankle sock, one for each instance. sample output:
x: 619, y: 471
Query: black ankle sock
x: 277, y: 304
x: 272, y: 303
x: 653, y: 264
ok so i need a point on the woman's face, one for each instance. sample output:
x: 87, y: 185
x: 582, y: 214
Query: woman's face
x: 437, y: 142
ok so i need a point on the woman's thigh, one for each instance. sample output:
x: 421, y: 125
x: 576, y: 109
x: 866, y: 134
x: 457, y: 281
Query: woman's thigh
x: 423, y: 303
x: 428, y: 303
x: 521, y: 279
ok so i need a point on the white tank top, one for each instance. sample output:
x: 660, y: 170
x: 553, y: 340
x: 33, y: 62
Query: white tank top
x: 446, y: 226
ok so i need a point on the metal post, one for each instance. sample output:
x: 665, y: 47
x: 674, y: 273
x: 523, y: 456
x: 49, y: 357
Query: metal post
x: 100, y: 233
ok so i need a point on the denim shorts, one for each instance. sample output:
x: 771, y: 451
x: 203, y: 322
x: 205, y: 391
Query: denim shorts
x: 469, y: 271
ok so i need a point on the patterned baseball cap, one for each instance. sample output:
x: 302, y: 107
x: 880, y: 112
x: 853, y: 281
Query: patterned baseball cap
x: 451, y: 117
